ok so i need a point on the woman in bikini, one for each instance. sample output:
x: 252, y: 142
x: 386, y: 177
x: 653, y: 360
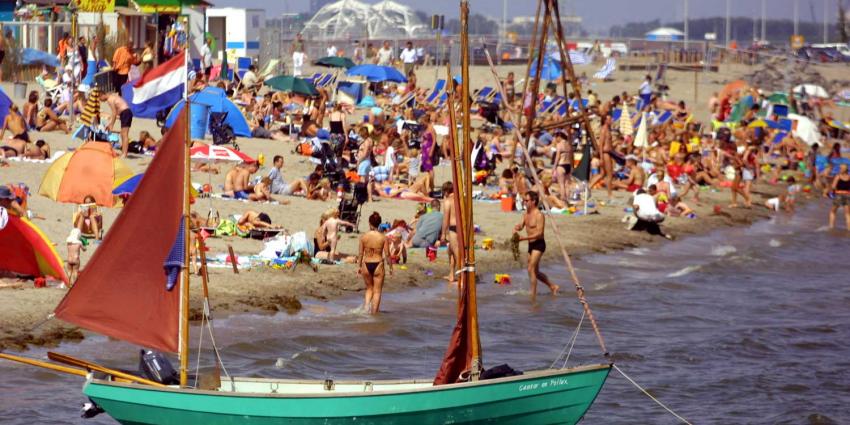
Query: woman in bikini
x: 374, y: 249
x: 14, y: 122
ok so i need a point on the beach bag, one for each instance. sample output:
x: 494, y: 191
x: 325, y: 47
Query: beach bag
x: 500, y: 371
x: 299, y: 243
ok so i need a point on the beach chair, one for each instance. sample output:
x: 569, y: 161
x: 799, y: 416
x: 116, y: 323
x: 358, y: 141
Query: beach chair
x: 52, y: 88
x: 442, y: 100
x: 486, y: 94
x: 607, y: 70
x: 269, y: 70
x: 574, y: 104
x: 664, y: 117
x: 315, y: 77
x: 439, y: 86
x: 325, y: 81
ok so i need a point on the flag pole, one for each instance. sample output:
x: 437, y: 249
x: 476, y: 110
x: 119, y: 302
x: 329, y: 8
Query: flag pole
x: 184, y: 288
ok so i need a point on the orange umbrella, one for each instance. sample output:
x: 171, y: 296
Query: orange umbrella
x: 733, y: 87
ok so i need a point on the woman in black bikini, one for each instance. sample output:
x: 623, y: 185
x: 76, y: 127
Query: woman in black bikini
x: 564, y: 164
x: 373, y: 250
x: 841, y: 196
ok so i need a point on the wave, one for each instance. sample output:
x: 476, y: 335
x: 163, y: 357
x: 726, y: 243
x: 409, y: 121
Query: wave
x: 685, y: 271
x: 774, y: 243
x: 723, y: 250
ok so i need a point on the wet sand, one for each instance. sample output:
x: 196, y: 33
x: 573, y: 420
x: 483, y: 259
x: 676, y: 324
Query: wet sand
x: 271, y: 290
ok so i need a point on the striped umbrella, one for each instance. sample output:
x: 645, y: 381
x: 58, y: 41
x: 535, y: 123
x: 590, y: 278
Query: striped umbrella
x: 627, y: 128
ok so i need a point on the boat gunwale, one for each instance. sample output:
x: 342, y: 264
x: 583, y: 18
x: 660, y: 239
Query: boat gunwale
x: 325, y: 394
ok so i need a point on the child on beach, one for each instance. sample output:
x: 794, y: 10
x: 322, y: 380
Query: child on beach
x: 786, y: 199
x: 75, y: 245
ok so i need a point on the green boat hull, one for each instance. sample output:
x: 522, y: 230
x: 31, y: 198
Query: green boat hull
x: 540, y: 397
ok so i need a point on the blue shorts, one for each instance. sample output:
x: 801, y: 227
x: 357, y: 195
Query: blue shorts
x: 364, y: 168
x: 240, y: 195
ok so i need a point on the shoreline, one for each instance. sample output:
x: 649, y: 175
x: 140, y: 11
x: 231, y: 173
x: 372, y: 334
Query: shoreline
x: 274, y: 291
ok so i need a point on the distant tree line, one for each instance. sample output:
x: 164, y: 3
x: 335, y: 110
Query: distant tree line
x: 743, y: 29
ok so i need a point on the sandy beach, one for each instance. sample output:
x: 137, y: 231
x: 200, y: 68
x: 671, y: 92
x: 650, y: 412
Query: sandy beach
x: 271, y: 290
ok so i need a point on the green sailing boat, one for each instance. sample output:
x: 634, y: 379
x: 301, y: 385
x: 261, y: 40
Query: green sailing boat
x: 148, y: 306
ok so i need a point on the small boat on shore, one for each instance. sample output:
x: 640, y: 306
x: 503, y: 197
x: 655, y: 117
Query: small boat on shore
x: 136, y: 289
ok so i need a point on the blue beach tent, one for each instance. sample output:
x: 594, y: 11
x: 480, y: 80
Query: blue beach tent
x: 217, y: 101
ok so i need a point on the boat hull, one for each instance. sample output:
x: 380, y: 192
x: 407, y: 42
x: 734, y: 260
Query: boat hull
x: 541, y: 397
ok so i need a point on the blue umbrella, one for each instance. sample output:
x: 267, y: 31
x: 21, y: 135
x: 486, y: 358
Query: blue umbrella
x: 551, y: 69
x: 129, y: 185
x: 378, y: 74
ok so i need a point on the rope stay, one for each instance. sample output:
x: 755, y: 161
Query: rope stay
x: 657, y: 401
x: 568, y: 348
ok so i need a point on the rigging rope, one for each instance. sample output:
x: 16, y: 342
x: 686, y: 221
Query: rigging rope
x: 206, y: 319
x: 568, y: 348
x: 685, y: 421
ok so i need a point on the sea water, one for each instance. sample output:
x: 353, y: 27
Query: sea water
x: 743, y: 325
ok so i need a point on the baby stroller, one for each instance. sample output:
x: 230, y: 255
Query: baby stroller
x: 350, y: 204
x: 221, y: 131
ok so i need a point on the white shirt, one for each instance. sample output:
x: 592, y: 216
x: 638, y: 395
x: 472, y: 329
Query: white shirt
x: 645, y: 205
x: 332, y: 50
x: 408, y: 55
x: 4, y: 218
x: 206, y: 56
x: 385, y: 56
x: 249, y: 79
x: 645, y: 88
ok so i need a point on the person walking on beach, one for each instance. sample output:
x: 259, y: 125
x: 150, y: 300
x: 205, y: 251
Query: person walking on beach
x: 645, y: 91
x: 841, y: 196
x: 374, y: 249
x: 534, y: 224
x: 408, y: 58
x: 449, y: 229
x: 122, y: 60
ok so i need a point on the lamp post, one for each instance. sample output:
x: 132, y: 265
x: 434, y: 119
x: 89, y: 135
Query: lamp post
x: 728, y: 34
x: 686, y: 24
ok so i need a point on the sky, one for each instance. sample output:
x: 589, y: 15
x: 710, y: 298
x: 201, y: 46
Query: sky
x: 598, y: 15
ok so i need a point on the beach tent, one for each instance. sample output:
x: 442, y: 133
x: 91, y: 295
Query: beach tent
x: 5, y: 104
x: 26, y: 251
x: 217, y: 101
x: 92, y: 169
x: 551, y: 69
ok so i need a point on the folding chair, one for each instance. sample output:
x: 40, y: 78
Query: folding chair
x: 439, y: 86
x: 52, y: 88
x: 607, y: 70
x: 242, y: 65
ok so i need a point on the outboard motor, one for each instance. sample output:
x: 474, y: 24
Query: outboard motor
x: 156, y: 367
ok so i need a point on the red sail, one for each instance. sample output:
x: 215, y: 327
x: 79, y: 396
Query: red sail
x: 121, y: 292
x: 458, y: 357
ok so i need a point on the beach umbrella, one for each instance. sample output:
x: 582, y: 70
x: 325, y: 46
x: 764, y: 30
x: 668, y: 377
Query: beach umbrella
x: 778, y: 97
x: 805, y: 129
x: 811, y: 90
x: 290, y: 84
x: 627, y: 128
x: 377, y: 74
x: 129, y: 186
x: 335, y: 62
x: 92, y: 169
x: 733, y: 87
x: 551, y: 69
x: 642, y: 137
x: 218, y: 153
x: 25, y: 250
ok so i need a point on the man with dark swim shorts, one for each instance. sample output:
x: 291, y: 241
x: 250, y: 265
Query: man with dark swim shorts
x: 120, y: 112
x: 534, y: 224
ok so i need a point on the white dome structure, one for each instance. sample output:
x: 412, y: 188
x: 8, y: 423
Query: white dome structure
x: 355, y: 19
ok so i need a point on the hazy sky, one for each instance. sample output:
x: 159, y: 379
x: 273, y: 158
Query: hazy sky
x: 597, y: 14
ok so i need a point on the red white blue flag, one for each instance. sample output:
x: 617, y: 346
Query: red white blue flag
x: 159, y: 89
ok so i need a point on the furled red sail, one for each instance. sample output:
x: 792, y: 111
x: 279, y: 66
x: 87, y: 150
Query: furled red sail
x: 121, y: 292
x: 458, y: 357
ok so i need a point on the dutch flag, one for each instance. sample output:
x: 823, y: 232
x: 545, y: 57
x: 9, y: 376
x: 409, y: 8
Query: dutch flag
x: 159, y: 89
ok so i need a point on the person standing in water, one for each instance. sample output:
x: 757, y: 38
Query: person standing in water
x: 534, y: 224
x: 374, y: 249
x: 841, y: 196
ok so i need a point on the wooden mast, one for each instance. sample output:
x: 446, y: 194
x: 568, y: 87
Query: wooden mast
x: 187, y: 190
x: 468, y: 266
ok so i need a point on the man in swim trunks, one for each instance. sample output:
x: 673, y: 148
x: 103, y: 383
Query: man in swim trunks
x: 534, y: 224
x: 449, y: 229
x: 236, y: 181
x: 120, y: 110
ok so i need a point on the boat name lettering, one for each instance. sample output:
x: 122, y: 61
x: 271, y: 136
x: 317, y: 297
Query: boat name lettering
x: 557, y: 382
